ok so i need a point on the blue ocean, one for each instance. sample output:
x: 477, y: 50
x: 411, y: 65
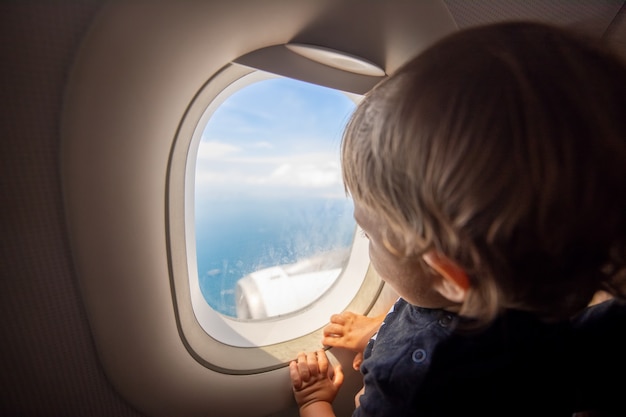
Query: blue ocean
x: 237, y: 237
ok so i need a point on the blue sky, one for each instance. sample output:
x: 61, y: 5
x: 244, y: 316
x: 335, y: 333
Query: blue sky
x: 278, y: 137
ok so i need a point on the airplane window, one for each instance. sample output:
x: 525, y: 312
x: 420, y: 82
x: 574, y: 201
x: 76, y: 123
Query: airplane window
x: 273, y: 226
x: 263, y: 247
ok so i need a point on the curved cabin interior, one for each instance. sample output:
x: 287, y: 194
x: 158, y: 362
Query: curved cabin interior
x: 174, y: 227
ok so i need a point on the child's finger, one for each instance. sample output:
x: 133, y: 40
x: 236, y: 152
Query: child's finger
x: 303, y: 367
x: 322, y: 361
x: 312, y: 362
x: 333, y: 330
x: 296, y: 381
x: 338, y: 319
x: 357, y: 361
x: 333, y: 341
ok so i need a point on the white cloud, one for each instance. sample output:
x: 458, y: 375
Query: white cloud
x: 263, y: 144
x: 309, y: 175
x: 216, y: 150
x: 314, y: 171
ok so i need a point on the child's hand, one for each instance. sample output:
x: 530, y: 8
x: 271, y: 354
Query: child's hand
x: 313, y: 380
x: 351, y: 331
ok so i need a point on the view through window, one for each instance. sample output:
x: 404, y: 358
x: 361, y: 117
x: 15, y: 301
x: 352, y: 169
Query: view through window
x: 273, y: 224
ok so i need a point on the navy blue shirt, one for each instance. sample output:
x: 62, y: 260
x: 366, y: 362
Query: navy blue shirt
x: 418, y: 365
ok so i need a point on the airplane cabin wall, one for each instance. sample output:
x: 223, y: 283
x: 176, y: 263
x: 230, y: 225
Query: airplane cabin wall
x: 49, y: 365
x: 48, y: 361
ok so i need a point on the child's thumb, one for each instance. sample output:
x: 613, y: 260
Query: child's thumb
x: 358, y: 359
x: 338, y: 377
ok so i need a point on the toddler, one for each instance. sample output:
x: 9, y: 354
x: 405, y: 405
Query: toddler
x: 489, y: 174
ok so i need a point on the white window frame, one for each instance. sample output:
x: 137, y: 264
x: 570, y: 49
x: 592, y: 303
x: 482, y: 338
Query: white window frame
x: 224, y: 343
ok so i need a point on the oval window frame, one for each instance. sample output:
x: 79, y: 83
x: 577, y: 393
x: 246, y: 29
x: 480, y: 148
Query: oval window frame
x: 223, y: 343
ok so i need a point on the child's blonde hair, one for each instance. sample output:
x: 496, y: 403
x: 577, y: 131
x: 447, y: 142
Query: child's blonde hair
x: 504, y: 148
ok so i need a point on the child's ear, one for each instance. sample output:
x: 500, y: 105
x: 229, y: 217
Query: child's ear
x: 455, y: 283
